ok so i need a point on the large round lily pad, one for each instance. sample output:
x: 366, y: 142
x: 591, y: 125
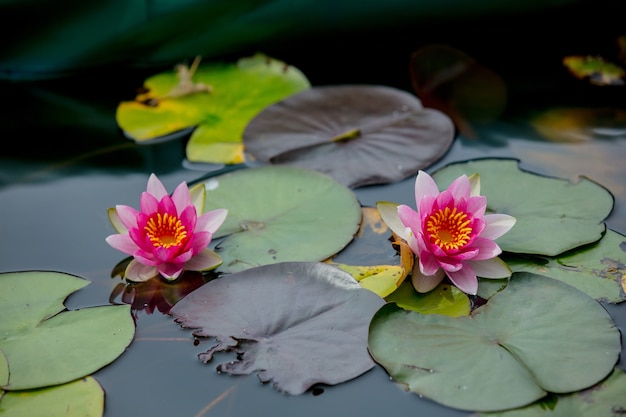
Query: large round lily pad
x: 553, y: 215
x: 223, y: 98
x: 80, y: 398
x: 295, y: 323
x: 43, y: 344
x: 281, y: 213
x: 508, y: 353
x: 359, y: 134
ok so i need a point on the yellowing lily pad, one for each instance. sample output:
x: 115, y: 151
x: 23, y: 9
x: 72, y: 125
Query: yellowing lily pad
x: 553, y: 215
x: 226, y: 96
x: 80, y: 398
x: 444, y: 299
x: 375, y: 264
x: 280, y: 213
x: 595, y: 68
x: 45, y: 345
x: 508, y: 353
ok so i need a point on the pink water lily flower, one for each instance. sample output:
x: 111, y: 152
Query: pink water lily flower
x: 167, y: 235
x: 452, y: 236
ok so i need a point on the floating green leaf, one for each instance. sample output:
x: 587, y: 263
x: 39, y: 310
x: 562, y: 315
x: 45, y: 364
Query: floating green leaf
x: 444, y: 299
x: 295, y: 323
x: 598, y: 269
x: 281, y: 213
x: 44, y: 345
x: 596, y: 69
x: 359, y: 134
x: 605, y: 399
x: 80, y: 398
x: 553, y: 215
x: 524, y: 341
x: 233, y: 94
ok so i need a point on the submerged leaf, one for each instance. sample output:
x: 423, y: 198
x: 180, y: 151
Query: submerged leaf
x: 281, y: 213
x: 234, y: 94
x: 359, y: 134
x: 45, y: 345
x: 296, y: 323
x: 528, y: 343
x: 449, y: 80
x: 80, y: 398
x: 553, y: 215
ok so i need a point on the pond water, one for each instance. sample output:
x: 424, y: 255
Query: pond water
x: 68, y: 163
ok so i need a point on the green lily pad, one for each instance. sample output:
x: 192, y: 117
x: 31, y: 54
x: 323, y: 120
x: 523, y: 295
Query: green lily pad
x: 598, y: 269
x: 596, y: 69
x: 80, y: 398
x: 295, y: 323
x: 234, y: 94
x: 553, y: 215
x: 605, y: 399
x: 45, y: 345
x: 508, y: 353
x: 444, y: 299
x: 358, y: 134
x: 280, y: 213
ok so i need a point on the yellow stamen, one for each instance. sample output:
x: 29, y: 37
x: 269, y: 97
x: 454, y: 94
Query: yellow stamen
x: 165, y: 231
x: 449, y: 229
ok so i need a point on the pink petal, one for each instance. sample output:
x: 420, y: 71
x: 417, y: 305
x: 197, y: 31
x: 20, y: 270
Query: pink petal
x: 127, y: 215
x: 497, y: 225
x: 460, y: 188
x: 122, y: 243
x: 148, y: 204
x: 155, y: 187
x: 412, y: 241
x: 137, y: 272
x: 425, y: 283
x: 477, y: 206
x: 409, y: 217
x: 428, y: 263
x: 166, y: 205
x: 426, y: 206
x: 487, y: 249
x: 145, y: 258
x: 199, y: 241
x: 491, y: 268
x: 424, y: 185
x: 211, y: 220
x: 189, y: 218
x: 170, y: 271
x: 181, y: 197
x: 450, y: 264
x: 465, y: 279
x: 204, y: 261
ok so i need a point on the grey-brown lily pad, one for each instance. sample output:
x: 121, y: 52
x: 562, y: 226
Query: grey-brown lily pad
x: 359, y: 134
x: 294, y: 323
